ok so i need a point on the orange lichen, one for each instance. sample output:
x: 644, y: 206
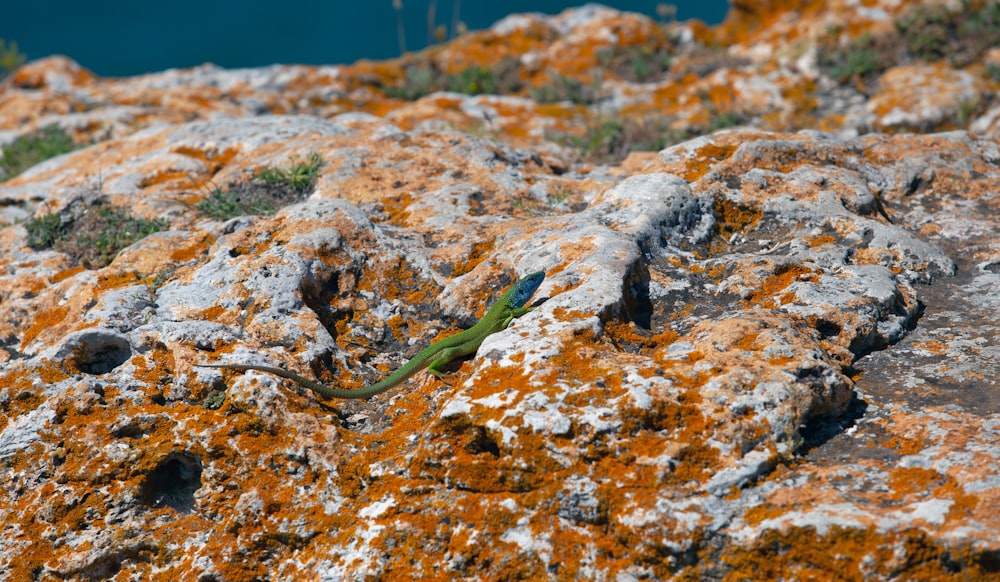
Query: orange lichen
x: 213, y: 313
x: 563, y: 314
x: 800, y: 553
x: 44, y: 320
x: 682, y: 417
x: 819, y: 240
x: 406, y: 285
x: 153, y: 366
x: 192, y: 248
x: 213, y: 160
x: 783, y: 276
x: 163, y: 177
x: 622, y: 332
x: 396, y: 205
x: 115, y: 279
x: 733, y: 217
x: 748, y: 342
x: 765, y: 511
x: 477, y: 254
x: 709, y: 155
x: 905, y: 481
x: 905, y: 446
x: 67, y: 273
x: 931, y: 346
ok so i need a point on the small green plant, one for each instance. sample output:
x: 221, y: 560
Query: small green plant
x: 271, y: 189
x: 30, y: 149
x: 214, y: 399
x: 299, y: 176
x: 117, y: 229
x: 966, y: 110
x: 926, y: 31
x: 960, y: 34
x: 44, y: 231
x: 474, y: 81
x: 603, y: 138
x: 424, y: 78
x: 225, y: 204
x: 93, y: 236
x: 610, y: 140
x: 502, y: 79
x: 568, y: 89
x: 722, y: 120
x: 985, y: 21
x: 10, y: 58
x: 159, y: 279
x: 860, y: 60
x: 858, y: 63
x: 635, y: 63
x: 418, y: 80
x: 993, y: 70
x: 535, y: 207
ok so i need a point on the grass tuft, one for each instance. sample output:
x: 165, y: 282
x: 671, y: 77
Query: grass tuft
x: 10, y: 58
x: 94, y: 237
x: 30, y: 149
x: 298, y: 176
x: 269, y: 190
x: 225, y: 204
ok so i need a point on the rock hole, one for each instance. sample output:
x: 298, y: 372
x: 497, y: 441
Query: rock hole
x: 96, y: 352
x: 827, y: 328
x: 318, y: 292
x: 482, y: 442
x: 638, y: 305
x: 817, y: 430
x: 173, y: 482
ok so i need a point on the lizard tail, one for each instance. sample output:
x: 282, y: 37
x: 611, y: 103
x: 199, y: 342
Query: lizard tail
x: 321, y: 389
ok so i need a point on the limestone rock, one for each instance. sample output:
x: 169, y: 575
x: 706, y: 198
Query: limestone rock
x: 763, y: 352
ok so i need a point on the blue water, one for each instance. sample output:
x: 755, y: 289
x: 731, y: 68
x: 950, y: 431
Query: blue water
x: 119, y: 37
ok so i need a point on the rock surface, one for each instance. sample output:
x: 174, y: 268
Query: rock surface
x: 763, y: 352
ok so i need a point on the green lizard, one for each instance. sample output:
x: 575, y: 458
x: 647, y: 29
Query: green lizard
x: 497, y: 318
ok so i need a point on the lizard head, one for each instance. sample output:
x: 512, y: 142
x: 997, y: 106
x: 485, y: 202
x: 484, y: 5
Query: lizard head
x: 525, y: 288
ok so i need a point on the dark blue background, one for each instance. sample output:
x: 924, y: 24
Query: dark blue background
x: 129, y: 37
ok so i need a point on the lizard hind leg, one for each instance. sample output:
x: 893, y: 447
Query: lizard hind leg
x: 443, y: 358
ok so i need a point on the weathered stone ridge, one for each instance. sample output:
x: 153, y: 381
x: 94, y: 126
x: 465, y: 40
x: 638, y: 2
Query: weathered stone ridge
x: 766, y: 347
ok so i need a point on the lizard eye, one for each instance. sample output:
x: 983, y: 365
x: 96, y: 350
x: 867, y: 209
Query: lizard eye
x: 525, y: 288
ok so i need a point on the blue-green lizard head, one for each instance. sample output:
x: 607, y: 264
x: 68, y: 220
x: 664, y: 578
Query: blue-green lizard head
x: 525, y: 288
